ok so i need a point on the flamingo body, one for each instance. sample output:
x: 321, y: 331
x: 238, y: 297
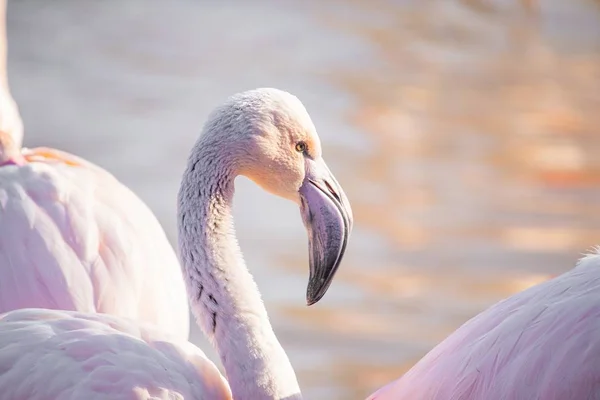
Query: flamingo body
x: 72, y: 237
x: 49, y: 354
x: 540, y: 344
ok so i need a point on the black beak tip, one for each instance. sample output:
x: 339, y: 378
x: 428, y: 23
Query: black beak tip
x: 314, y: 293
x: 310, y: 300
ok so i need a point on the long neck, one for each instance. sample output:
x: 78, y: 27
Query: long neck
x: 223, y: 294
x: 3, y: 46
x: 11, y: 126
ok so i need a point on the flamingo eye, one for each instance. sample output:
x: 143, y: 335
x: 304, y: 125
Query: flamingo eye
x: 301, y: 147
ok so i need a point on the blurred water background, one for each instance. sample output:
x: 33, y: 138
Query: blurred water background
x: 465, y: 133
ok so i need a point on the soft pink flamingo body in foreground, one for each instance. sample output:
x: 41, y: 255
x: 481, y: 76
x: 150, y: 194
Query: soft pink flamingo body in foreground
x: 66, y: 355
x: 72, y: 237
x: 267, y: 136
x: 540, y: 344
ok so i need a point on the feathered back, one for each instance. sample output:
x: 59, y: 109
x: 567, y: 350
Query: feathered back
x: 541, y: 343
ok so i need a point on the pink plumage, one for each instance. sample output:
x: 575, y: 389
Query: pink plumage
x: 49, y: 355
x: 75, y: 238
x: 540, y: 344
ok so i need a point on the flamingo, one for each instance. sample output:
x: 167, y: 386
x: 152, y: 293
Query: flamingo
x: 539, y: 344
x: 73, y: 237
x: 267, y: 136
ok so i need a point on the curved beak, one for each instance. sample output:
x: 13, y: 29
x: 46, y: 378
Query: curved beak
x: 327, y: 216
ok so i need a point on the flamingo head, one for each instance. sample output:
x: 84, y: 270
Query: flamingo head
x: 277, y: 146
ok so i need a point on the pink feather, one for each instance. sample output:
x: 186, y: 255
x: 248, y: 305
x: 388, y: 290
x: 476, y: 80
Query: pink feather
x: 540, y: 344
x: 72, y: 237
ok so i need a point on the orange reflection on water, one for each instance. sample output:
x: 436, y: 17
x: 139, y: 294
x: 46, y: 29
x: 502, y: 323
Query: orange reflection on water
x: 483, y: 175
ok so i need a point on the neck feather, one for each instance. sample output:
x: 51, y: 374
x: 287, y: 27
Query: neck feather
x: 223, y: 295
x: 3, y: 46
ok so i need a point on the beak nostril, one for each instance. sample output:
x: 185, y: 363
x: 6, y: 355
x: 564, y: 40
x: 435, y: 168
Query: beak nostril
x: 333, y: 192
